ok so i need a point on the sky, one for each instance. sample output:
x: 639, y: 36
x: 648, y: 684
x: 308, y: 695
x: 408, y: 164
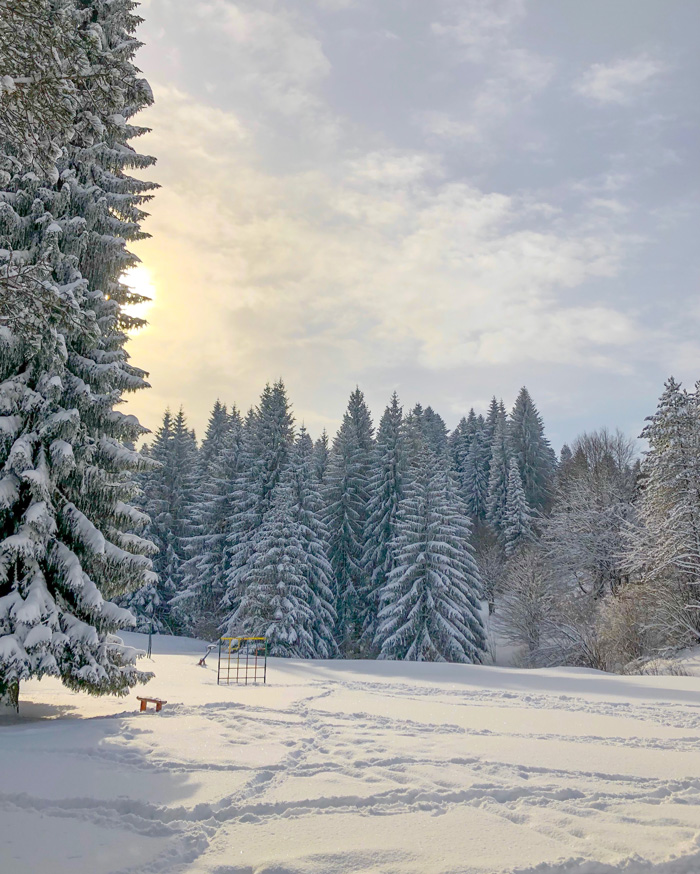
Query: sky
x: 447, y: 199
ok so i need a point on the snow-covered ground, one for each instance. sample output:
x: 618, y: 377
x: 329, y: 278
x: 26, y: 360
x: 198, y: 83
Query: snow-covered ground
x: 371, y: 767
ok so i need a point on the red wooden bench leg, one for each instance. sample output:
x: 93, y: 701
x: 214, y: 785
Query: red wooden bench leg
x: 159, y: 706
x: 143, y: 706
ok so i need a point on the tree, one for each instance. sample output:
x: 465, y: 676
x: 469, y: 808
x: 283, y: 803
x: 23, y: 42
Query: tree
x: 518, y: 524
x: 274, y: 600
x: 169, y: 502
x: 321, y: 455
x: 346, y: 497
x: 206, y: 570
x: 68, y: 533
x: 432, y: 427
x: 460, y: 441
x: 665, y: 546
x: 528, y: 608
x: 266, y: 441
x: 531, y: 449
x: 313, y: 535
x: 430, y: 605
x: 499, y: 469
x: 45, y: 75
x: 386, y: 489
x: 592, y: 507
x: 475, y: 480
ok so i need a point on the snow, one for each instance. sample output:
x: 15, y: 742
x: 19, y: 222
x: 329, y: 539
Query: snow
x: 358, y: 767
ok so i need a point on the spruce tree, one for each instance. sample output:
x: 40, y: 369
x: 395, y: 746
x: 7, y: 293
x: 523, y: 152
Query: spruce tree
x: 430, y: 608
x: 312, y: 533
x: 434, y: 430
x: 460, y: 442
x: 68, y: 533
x: 531, y: 449
x: 518, y: 524
x: 321, y: 455
x: 499, y: 469
x: 475, y: 482
x: 346, y: 497
x: 169, y: 496
x: 386, y: 489
x: 266, y: 440
x: 274, y: 597
x: 220, y: 460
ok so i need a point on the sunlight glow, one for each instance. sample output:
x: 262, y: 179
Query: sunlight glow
x: 140, y: 281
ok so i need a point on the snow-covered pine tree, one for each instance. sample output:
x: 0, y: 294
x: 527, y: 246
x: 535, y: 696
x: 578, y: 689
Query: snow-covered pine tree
x: 475, y: 483
x: 386, y: 489
x: 67, y: 529
x: 206, y: 570
x: 215, y: 440
x: 267, y: 437
x: 432, y: 427
x: 460, y: 441
x: 430, y: 608
x: 321, y: 455
x: 666, y: 546
x: 489, y: 431
x: 169, y: 495
x: 308, y: 507
x: 519, y: 521
x: 274, y: 597
x: 346, y: 497
x: 42, y: 67
x: 274, y: 435
x: 531, y: 449
x: 499, y: 469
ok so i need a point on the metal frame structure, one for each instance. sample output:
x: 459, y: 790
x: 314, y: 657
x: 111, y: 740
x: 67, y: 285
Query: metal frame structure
x: 242, y: 660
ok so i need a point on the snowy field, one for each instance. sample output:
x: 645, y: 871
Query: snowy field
x: 370, y: 767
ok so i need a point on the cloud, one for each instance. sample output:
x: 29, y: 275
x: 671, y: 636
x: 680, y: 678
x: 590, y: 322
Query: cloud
x: 621, y: 81
x: 480, y: 28
x: 377, y: 262
x: 484, y: 35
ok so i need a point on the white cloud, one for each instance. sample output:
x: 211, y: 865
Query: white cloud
x: 377, y: 262
x: 484, y: 34
x: 480, y: 27
x: 621, y: 81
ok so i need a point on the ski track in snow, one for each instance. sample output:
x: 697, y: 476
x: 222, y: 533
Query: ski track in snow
x: 308, y: 763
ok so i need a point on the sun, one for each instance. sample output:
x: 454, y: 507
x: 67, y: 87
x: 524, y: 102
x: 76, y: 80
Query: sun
x: 140, y: 281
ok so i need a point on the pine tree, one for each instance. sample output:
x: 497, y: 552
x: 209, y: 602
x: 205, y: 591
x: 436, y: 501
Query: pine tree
x: 68, y: 536
x: 434, y: 430
x: 518, y: 524
x: 169, y: 502
x: 531, y: 449
x: 275, y: 598
x: 321, y: 455
x: 499, y: 468
x: 386, y: 488
x: 308, y: 506
x: 220, y: 458
x: 460, y: 442
x: 430, y: 605
x: 266, y: 440
x: 346, y: 497
x: 476, y: 486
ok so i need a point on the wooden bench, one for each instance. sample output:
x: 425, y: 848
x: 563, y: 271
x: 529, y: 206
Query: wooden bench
x: 146, y: 701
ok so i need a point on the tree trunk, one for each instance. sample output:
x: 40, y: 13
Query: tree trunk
x: 9, y: 696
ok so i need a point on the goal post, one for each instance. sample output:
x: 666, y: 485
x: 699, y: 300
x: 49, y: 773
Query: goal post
x: 242, y: 660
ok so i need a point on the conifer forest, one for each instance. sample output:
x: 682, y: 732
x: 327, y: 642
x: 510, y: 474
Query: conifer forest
x: 396, y: 538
